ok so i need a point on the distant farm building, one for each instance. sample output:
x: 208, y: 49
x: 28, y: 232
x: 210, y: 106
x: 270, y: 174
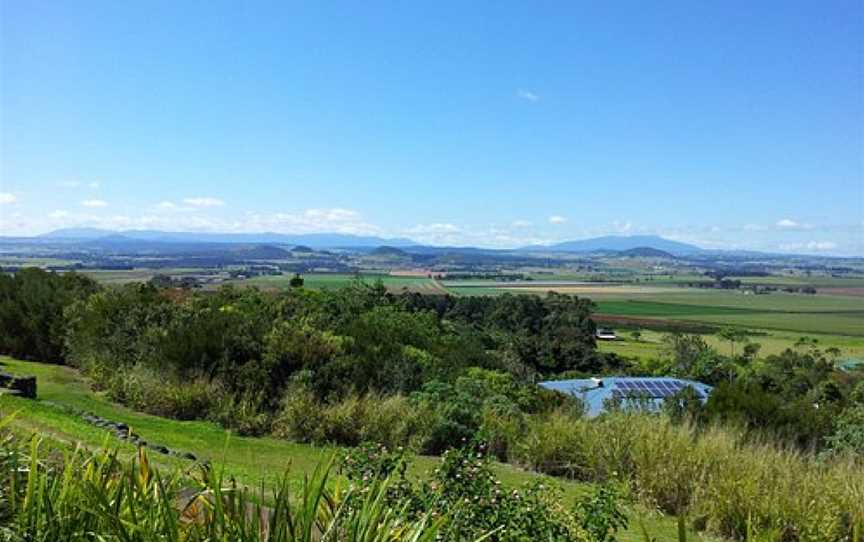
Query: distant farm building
x: 647, y: 393
x: 851, y: 364
x: 605, y: 334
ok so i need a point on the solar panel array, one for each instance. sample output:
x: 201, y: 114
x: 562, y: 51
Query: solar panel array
x: 649, y: 388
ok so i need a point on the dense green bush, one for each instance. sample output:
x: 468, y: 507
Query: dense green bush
x: 464, y: 488
x: 32, y: 301
x: 145, y: 390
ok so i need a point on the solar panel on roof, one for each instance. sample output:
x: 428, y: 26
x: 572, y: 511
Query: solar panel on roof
x: 659, y: 391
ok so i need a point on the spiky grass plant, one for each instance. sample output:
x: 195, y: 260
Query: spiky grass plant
x: 98, y: 496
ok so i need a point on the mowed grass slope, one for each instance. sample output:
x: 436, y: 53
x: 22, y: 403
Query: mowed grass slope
x: 252, y: 460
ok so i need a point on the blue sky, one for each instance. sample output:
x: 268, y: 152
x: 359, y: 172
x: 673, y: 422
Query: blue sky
x: 732, y: 125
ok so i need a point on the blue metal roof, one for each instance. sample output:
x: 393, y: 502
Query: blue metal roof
x: 646, y: 392
x: 850, y: 364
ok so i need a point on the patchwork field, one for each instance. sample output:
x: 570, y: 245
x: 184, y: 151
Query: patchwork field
x: 125, y: 276
x: 650, y: 343
x: 251, y: 460
x: 836, y: 316
x: 318, y: 281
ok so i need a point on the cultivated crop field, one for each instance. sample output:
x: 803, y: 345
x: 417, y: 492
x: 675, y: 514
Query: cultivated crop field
x: 125, y: 276
x: 650, y: 343
x: 318, y: 281
x: 782, y: 318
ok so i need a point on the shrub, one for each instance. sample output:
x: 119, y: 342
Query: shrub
x: 244, y: 413
x: 848, y: 436
x: 464, y: 488
x: 502, y: 423
x: 392, y: 421
x: 558, y: 444
x: 300, y: 417
x: 145, y: 390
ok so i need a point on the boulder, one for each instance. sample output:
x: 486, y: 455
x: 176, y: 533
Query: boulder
x: 25, y: 384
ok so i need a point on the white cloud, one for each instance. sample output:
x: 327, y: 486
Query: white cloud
x: 204, y: 202
x: 492, y: 236
x: 557, y: 219
x: 434, y: 228
x: 622, y: 226
x: 335, y: 220
x: 94, y: 203
x: 787, y: 223
x: 171, y: 207
x: 332, y: 215
x: 813, y: 246
x: 58, y: 214
x: 7, y: 199
x: 72, y: 183
x: 527, y: 95
x: 521, y: 224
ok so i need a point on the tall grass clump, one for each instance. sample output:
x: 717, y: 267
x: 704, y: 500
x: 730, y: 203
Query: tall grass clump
x: 392, y: 421
x: 713, y: 476
x: 98, y: 496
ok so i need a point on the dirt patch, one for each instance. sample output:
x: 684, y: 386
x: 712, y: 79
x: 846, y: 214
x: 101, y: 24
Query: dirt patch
x: 854, y: 292
x: 588, y: 290
x: 656, y: 324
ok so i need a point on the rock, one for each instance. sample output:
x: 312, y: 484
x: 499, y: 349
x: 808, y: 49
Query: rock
x: 25, y: 384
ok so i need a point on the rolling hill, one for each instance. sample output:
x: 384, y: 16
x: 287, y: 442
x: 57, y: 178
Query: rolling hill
x: 314, y: 240
x: 620, y: 243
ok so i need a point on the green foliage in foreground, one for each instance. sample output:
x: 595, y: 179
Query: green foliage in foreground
x: 86, y: 496
x: 720, y: 479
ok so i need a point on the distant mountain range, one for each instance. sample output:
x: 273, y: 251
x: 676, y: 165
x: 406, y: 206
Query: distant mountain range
x: 621, y: 243
x: 634, y: 245
x: 313, y: 240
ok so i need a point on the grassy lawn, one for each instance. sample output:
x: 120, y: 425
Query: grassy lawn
x: 251, y: 460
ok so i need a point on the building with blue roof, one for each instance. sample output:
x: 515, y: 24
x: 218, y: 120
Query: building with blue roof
x: 644, y: 392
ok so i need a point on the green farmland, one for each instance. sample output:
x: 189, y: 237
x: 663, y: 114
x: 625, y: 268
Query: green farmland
x: 318, y: 281
x: 801, y: 313
x: 650, y: 343
x: 779, y: 318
